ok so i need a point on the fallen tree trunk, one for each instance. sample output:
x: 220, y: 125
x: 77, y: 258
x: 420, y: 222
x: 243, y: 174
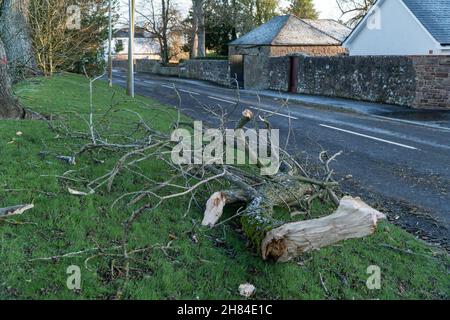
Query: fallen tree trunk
x: 283, y: 241
x: 352, y: 219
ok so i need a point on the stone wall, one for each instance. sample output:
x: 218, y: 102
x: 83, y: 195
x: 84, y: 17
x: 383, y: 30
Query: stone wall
x: 378, y: 79
x: 155, y: 67
x: 421, y: 82
x: 120, y: 64
x: 217, y: 71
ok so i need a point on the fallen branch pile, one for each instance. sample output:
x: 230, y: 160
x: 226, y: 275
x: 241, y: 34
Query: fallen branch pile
x: 259, y: 196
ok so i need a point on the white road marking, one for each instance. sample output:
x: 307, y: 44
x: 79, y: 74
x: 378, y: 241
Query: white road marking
x: 190, y: 92
x: 278, y: 114
x: 181, y: 90
x: 223, y: 100
x: 413, y: 122
x: 369, y: 137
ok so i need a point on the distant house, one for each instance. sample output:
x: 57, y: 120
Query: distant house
x: 145, y: 46
x: 403, y: 27
x: 289, y: 34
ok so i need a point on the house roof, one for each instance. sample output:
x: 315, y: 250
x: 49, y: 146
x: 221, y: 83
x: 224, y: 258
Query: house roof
x: 434, y: 16
x: 289, y: 30
x: 331, y: 27
x: 138, y: 33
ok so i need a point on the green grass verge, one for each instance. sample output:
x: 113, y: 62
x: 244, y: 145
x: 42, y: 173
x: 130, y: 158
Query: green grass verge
x: 210, y: 268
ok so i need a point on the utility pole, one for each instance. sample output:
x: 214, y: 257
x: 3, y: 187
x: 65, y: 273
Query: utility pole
x: 110, y: 62
x: 130, y: 80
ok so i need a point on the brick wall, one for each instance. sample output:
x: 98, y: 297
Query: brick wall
x: 309, y: 50
x: 433, y: 81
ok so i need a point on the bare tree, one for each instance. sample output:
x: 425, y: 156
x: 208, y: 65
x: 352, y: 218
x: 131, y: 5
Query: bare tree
x: 15, y: 33
x: 163, y: 22
x: 59, y: 46
x: 354, y: 10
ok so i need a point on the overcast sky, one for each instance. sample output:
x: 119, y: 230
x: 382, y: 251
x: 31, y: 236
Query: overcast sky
x: 327, y: 8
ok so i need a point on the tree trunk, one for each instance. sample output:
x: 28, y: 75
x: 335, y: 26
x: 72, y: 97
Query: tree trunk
x: 198, y: 45
x: 165, y: 7
x: 10, y: 107
x: 16, y: 37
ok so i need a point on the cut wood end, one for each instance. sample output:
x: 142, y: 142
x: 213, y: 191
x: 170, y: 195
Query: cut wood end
x: 348, y: 203
x: 214, y: 209
x: 247, y: 114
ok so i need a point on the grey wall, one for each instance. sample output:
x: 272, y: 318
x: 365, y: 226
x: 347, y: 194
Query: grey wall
x: 379, y: 79
x: 217, y: 71
x: 417, y: 81
x: 155, y: 67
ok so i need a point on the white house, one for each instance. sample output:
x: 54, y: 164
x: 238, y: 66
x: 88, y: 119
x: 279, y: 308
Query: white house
x: 403, y: 27
x: 145, y: 46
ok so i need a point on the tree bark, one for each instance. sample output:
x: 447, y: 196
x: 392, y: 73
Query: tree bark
x: 10, y: 107
x: 15, y: 33
x: 198, y: 45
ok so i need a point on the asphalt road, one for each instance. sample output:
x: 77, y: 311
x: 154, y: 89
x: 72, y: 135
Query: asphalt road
x: 401, y: 167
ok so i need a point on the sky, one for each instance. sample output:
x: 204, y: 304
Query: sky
x: 327, y: 8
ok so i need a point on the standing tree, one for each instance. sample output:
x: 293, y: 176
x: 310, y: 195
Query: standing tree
x: 265, y: 10
x: 15, y: 33
x: 131, y: 25
x: 74, y: 47
x: 199, y: 36
x: 9, y: 105
x: 354, y: 10
x: 303, y: 9
x: 163, y: 23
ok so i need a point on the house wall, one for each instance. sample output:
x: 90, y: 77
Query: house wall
x: 143, y: 48
x: 415, y: 81
x: 392, y: 30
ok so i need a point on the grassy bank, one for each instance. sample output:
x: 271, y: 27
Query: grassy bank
x: 182, y: 259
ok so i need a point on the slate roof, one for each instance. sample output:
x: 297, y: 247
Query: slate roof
x: 138, y: 33
x: 288, y: 30
x: 434, y: 16
x: 331, y: 27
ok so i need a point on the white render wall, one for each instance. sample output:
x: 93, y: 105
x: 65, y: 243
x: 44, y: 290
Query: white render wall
x: 142, y: 47
x: 397, y: 32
